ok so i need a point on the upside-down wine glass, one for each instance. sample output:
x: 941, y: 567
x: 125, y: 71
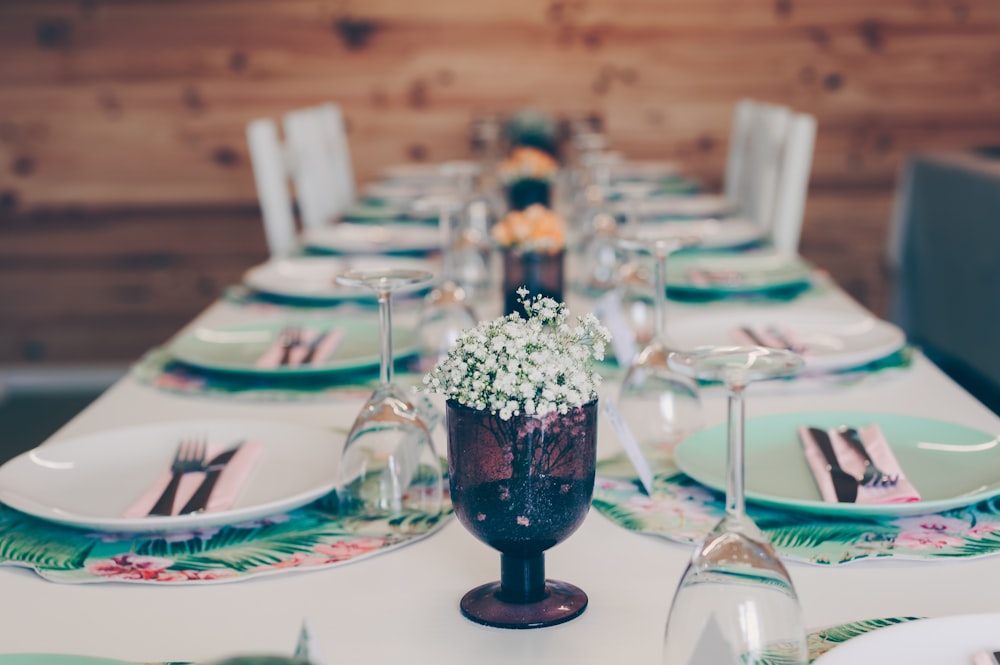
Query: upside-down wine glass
x: 659, y: 405
x: 388, y: 464
x: 446, y: 310
x: 735, y: 595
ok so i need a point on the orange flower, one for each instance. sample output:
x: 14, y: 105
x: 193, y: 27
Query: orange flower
x: 527, y: 163
x: 536, y: 228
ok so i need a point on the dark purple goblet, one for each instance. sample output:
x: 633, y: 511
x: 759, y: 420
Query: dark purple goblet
x: 539, y: 272
x: 521, y: 486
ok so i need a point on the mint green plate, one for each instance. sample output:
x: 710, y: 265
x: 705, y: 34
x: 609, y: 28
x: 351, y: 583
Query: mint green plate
x: 736, y: 274
x: 950, y: 465
x: 235, y: 349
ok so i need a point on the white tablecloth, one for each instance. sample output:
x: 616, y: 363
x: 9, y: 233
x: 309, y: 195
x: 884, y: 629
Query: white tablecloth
x: 403, y: 607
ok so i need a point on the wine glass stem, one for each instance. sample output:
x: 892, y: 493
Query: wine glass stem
x: 447, y: 262
x: 660, y: 297
x: 385, y: 336
x: 735, y: 502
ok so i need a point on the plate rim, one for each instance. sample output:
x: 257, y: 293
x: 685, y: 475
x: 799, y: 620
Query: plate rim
x: 314, y: 239
x: 342, y: 295
x: 828, y: 362
x: 401, y: 348
x: 689, y: 287
x: 830, y: 508
x: 861, y: 642
x: 30, y: 506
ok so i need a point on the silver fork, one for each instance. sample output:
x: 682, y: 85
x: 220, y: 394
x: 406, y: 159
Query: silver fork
x: 290, y: 338
x: 190, y: 457
x: 873, y: 476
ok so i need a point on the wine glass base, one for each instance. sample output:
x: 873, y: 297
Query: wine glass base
x: 562, y: 602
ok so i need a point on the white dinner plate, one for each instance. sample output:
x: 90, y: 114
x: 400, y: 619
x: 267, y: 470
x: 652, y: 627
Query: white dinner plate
x: 351, y: 238
x: 315, y: 277
x: 404, y: 191
x: 237, y: 348
x: 696, y: 205
x: 91, y: 480
x: 725, y: 233
x: 953, y: 640
x: 828, y: 339
x: 949, y: 464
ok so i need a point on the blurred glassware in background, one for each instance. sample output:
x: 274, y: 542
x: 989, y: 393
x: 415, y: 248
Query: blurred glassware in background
x: 594, y: 236
x: 659, y: 405
x: 447, y: 310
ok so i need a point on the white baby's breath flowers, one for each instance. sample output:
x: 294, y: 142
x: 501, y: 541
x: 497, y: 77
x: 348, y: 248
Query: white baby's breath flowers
x: 512, y: 366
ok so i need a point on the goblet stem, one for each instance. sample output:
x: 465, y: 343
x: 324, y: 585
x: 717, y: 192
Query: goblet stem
x: 522, y: 578
x: 385, y: 336
x: 735, y: 500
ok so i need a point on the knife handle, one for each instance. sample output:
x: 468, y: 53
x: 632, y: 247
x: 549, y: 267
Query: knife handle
x: 311, y: 351
x: 199, y: 499
x: 822, y: 440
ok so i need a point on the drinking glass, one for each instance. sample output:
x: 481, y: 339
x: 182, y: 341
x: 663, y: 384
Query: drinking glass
x: 446, y: 310
x: 735, y: 595
x: 659, y: 405
x: 388, y: 464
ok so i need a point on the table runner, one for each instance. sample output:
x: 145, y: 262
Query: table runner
x: 684, y: 511
x: 313, y: 536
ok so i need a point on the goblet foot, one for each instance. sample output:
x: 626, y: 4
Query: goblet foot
x: 560, y: 603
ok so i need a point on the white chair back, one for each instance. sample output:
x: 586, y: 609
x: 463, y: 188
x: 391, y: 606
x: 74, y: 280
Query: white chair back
x: 271, y: 180
x: 735, y: 182
x: 320, y: 163
x: 316, y: 157
x: 768, y: 130
x: 793, y: 183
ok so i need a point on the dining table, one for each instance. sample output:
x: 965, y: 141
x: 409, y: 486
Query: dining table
x: 401, y: 605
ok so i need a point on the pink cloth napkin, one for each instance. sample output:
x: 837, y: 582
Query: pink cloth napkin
x: 224, y: 495
x: 853, y: 463
x: 770, y: 336
x: 271, y: 358
x: 705, y: 278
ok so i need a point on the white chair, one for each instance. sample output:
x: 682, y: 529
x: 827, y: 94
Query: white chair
x: 793, y: 183
x: 315, y: 156
x: 765, y: 145
x: 768, y: 167
x: 734, y: 183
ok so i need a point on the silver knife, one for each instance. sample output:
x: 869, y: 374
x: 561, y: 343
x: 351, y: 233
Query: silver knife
x: 313, y: 345
x: 845, y: 486
x: 200, y: 498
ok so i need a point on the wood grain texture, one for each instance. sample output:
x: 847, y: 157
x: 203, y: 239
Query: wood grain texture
x: 126, y: 195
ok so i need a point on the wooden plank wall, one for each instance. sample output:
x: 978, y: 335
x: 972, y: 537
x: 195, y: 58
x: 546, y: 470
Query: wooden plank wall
x: 126, y: 197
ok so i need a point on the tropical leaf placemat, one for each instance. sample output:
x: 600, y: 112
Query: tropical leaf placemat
x: 684, y: 511
x: 159, y: 370
x: 313, y: 536
x: 821, y: 641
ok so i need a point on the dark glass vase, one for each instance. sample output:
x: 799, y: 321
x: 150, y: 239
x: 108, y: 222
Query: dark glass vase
x: 540, y: 273
x: 521, y: 486
x: 523, y: 193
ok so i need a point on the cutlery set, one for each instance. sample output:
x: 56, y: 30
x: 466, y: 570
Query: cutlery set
x: 190, y: 458
x: 772, y: 337
x: 292, y: 338
x: 846, y: 485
